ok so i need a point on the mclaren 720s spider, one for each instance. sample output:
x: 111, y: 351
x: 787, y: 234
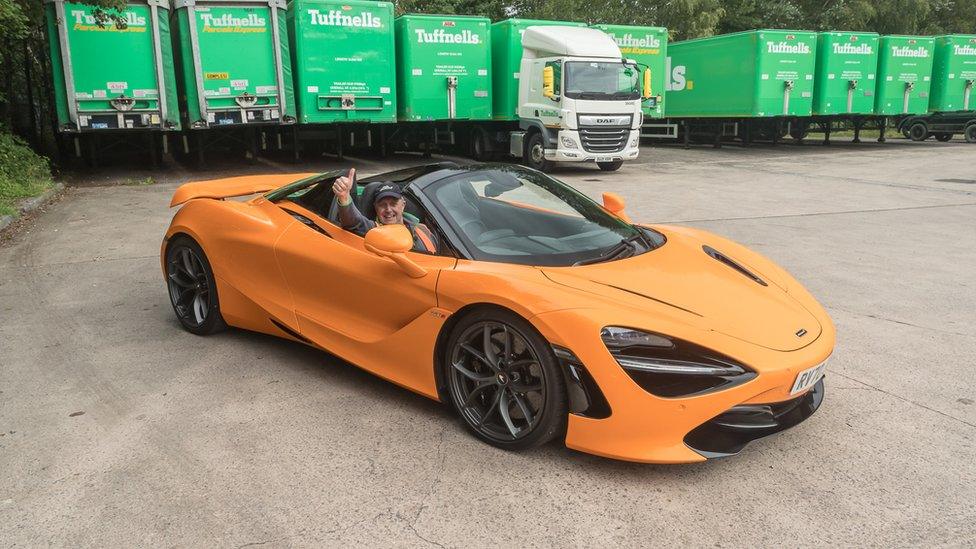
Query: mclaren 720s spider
x: 541, y: 314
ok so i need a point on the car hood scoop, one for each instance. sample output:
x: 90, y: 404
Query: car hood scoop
x: 726, y: 294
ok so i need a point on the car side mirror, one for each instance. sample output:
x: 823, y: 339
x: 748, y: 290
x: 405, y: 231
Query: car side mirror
x: 393, y: 242
x: 614, y: 203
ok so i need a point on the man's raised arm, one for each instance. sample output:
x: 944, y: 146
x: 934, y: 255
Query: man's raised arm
x: 349, y: 215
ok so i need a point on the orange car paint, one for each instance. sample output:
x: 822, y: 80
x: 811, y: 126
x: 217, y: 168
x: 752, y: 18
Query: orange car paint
x: 332, y: 292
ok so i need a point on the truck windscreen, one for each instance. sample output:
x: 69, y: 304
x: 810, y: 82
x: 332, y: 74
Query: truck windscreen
x: 601, y: 80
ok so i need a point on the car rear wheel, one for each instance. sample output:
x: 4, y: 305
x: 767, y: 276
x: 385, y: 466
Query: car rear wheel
x: 192, y: 287
x: 504, y: 382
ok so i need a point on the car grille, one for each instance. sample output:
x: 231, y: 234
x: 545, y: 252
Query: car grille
x: 604, y: 139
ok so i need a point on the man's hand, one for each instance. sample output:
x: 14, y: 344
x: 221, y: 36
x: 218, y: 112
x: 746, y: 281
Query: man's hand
x: 342, y: 186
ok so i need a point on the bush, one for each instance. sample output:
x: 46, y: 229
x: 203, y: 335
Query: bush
x: 23, y: 173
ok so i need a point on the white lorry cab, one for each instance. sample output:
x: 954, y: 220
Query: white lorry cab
x: 579, y: 100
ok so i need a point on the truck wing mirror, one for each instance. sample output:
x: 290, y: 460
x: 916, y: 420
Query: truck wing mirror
x: 548, y: 82
x: 614, y: 203
x: 393, y: 241
x: 647, y: 84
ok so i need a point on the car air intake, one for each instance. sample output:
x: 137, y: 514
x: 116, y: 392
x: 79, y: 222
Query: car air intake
x: 604, y: 139
x: 722, y: 258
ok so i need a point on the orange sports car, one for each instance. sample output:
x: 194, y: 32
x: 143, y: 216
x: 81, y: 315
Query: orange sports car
x: 539, y: 314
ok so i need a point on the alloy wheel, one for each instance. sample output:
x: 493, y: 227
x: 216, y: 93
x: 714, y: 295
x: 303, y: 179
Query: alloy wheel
x: 189, y: 286
x: 497, y: 381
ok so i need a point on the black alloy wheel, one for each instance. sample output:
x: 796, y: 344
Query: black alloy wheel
x: 610, y: 166
x: 192, y: 288
x: 535, y: 153
x: 504, y: 382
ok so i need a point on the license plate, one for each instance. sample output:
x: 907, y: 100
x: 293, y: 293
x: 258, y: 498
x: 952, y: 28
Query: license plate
x: 604, y: 159
x: 808, y: 378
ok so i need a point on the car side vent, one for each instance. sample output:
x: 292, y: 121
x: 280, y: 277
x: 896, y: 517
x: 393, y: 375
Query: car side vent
x: 722, y: 258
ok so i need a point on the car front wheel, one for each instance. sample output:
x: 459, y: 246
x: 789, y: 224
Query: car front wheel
x: 503, y: 380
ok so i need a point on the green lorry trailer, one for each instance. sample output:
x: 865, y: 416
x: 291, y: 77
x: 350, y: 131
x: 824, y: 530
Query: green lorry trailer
x: 233, y: 63
x: 330, y: 64
x: 136, y: 90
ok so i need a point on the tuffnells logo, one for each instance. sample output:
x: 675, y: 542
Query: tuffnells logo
x: 86, y: 21
x: 229, y: 23
x: 629, y: 41
x: 335, y: 18
x: 440, y: 36
x: 851, y: 49
x: 784, y: 47
x: 920, y: 51
x: 963, y: 50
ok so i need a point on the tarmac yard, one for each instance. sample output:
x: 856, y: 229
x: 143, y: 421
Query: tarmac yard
x: 117, y: 428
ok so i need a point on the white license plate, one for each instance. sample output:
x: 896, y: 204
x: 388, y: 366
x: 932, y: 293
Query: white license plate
x: 808, y: 378
x: 604, y: 159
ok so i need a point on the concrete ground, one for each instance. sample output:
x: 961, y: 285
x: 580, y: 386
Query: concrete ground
x: 119, y: 429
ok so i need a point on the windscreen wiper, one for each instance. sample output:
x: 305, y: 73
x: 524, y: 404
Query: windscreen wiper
x: 617, y: 251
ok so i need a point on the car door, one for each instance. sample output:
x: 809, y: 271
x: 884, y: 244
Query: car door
x: 348, y: 300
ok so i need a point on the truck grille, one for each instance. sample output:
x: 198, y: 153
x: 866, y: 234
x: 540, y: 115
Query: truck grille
x: 604, y: 139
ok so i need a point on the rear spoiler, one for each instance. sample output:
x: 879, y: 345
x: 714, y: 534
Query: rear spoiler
x: 234, y: 186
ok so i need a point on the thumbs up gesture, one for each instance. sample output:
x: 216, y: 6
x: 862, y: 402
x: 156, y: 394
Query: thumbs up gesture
x: 342, y: 186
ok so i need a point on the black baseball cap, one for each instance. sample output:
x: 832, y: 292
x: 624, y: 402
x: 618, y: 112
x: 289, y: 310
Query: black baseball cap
x: 386, y: 191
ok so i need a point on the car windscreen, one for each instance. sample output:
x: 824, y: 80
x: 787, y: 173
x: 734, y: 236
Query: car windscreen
x: 511, y: 215
x: 601, y: 80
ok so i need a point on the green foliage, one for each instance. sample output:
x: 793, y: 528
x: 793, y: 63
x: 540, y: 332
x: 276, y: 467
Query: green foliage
x: 22, y: 172
x: 13, y: 19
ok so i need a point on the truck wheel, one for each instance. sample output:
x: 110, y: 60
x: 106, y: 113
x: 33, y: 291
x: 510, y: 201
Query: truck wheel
x: 943, y: 137
x: 478, y: 149
x: 535, y: 153
x: 918, y: 132
x: 610, y: 166
x: 970, y: 133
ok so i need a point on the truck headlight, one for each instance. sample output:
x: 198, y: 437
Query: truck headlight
x: 568, y: 142
x: 670, y: 367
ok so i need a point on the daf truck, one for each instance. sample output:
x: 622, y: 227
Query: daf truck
x: 578, y: 100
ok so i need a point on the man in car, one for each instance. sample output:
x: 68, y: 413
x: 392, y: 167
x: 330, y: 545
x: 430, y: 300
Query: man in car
x: 389, y: 204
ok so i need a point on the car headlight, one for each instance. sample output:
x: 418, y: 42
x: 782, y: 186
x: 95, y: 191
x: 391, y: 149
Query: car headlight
x: 669, y: 367
x: 568, y: 142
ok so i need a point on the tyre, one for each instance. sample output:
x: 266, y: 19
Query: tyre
x: 535, y: 153
x: 970, y: 133
x: 192, y: 287
x: 943, y: 137
x: 798, y: 133
x: 918, y: 132
x: 610, y: 166
x: 478, y: 146
x: 504, y: 382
